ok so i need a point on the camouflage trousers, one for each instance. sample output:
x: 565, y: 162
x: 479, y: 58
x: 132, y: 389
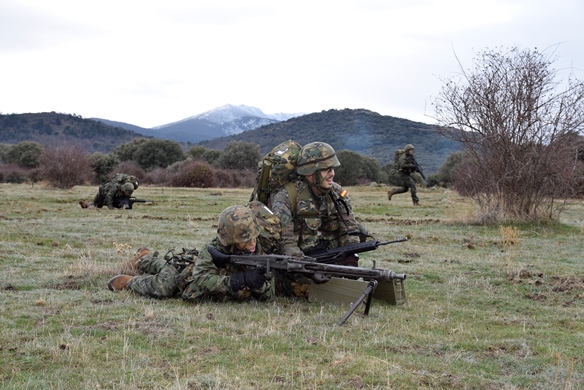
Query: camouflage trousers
x: 408, y: 183
x: 158, y: 278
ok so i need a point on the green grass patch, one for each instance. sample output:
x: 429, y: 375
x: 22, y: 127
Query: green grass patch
x: 488, y: 307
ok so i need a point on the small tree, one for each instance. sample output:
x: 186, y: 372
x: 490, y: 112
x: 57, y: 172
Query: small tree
x: 240, y: 155
x: 158, y: 153
x: 65, y: 166
x: 517, y: 130
x: 102, y: 165
x: 26, y: 154
x: 446, y: 173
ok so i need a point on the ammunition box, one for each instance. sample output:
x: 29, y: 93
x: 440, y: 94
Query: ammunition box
x: 392, y: 292
x: 347, y: 291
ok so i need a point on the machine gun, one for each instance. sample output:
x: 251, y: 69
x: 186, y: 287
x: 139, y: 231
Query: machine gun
x: 126, y: 203
x: 317, y: 271
x: 336, y: 254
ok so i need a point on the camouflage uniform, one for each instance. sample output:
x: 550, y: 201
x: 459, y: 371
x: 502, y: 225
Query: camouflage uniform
x: 312, y: 221
x: 406, y: 166
x: 194, y: 276
x: 120, y: 187
x: 194, y: 281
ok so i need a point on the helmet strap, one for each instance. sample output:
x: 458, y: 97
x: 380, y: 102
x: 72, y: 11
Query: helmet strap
x: 315, y: 184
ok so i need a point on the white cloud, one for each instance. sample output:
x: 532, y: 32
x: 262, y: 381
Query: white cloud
x: 150, y: 63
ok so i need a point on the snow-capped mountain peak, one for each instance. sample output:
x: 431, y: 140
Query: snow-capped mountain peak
x: 220, y: 121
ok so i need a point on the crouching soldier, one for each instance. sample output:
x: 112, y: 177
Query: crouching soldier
x: 115, y: 193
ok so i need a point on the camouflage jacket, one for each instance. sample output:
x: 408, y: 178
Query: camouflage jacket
x: 109, y: 195
x: 204, y: 279
x: 313, y: 220
x: 407, y: 163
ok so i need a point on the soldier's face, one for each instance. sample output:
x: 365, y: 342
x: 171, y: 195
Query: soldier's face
x: 326, y: 177
x: 248, y: 246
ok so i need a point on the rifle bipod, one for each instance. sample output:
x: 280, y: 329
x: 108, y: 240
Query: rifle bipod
x: 367, y: 293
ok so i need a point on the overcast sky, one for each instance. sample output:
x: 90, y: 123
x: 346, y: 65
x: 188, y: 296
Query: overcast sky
x: 150, y: 63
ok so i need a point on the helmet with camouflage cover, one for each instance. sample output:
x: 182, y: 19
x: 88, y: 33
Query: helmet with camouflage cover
x: 316, y: 156
x: 127, y: 188
x: 409, y: 147
x: 237, y: 224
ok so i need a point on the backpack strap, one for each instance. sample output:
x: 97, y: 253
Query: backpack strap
x: 293, y: 192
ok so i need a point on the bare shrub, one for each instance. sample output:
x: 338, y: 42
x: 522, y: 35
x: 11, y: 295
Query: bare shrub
x: 131, y: 168
x: 243, y: 178
x: 223, y: 178
x: 158, y: 176
x: 65, y: 166
x: 13, y: 173
x: 518, y: 133
x: 194, y: 174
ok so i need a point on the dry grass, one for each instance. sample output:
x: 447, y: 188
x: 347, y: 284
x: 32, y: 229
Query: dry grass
x: 488, y: 307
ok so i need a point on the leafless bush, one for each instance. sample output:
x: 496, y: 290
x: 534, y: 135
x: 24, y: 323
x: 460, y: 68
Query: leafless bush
x: 13, y: 173
x: 158, y: 176
x: 131, y: 168
x: 518, y: 132
x: 243, y: 178
x: 65, y: 166
x: 223, y: 178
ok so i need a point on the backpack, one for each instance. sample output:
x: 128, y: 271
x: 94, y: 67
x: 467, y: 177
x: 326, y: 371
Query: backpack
x: 276, y: 168
x: 123, y: 178
x: 398, y: 154
x: 270, y: 226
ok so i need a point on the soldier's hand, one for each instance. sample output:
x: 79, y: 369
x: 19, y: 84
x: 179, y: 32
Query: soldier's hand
x: 220, y: 259
x: 253, y: 279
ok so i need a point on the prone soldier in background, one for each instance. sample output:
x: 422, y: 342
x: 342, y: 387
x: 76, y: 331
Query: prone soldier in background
x: 115, y: 193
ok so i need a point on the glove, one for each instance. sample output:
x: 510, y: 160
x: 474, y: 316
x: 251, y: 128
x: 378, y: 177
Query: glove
x: 351, y: 260
x: 319, y: 278
x: 253, y: 279
x: 219, y: 258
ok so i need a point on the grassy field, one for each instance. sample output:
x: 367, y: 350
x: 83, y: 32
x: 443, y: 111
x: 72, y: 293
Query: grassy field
x: 498, y: 307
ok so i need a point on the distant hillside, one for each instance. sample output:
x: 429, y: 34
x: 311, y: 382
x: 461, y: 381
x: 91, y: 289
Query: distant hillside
x: 362, y: 131
x: 53, y: 129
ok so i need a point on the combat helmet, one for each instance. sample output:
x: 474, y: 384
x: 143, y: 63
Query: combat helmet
x: 409, y: 147
x: 127, y: 188
x: 237, y: 224
x: 316, y: 156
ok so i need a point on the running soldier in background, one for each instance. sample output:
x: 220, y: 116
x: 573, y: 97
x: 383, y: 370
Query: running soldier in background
x: 315, y: 211
x: 111, y: 194
x: 406, y: 165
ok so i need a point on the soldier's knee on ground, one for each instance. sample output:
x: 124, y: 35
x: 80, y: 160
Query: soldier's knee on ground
x: 131, y: 266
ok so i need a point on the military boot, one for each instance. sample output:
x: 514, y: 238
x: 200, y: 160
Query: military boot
x: 131, y: 266
x: 389, y: 194
x: 119, y: 283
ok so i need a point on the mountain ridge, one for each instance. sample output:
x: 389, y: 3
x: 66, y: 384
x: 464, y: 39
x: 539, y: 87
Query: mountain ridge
x: 365, y: 132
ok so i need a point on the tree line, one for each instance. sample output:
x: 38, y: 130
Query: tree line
x: 166, y: 163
